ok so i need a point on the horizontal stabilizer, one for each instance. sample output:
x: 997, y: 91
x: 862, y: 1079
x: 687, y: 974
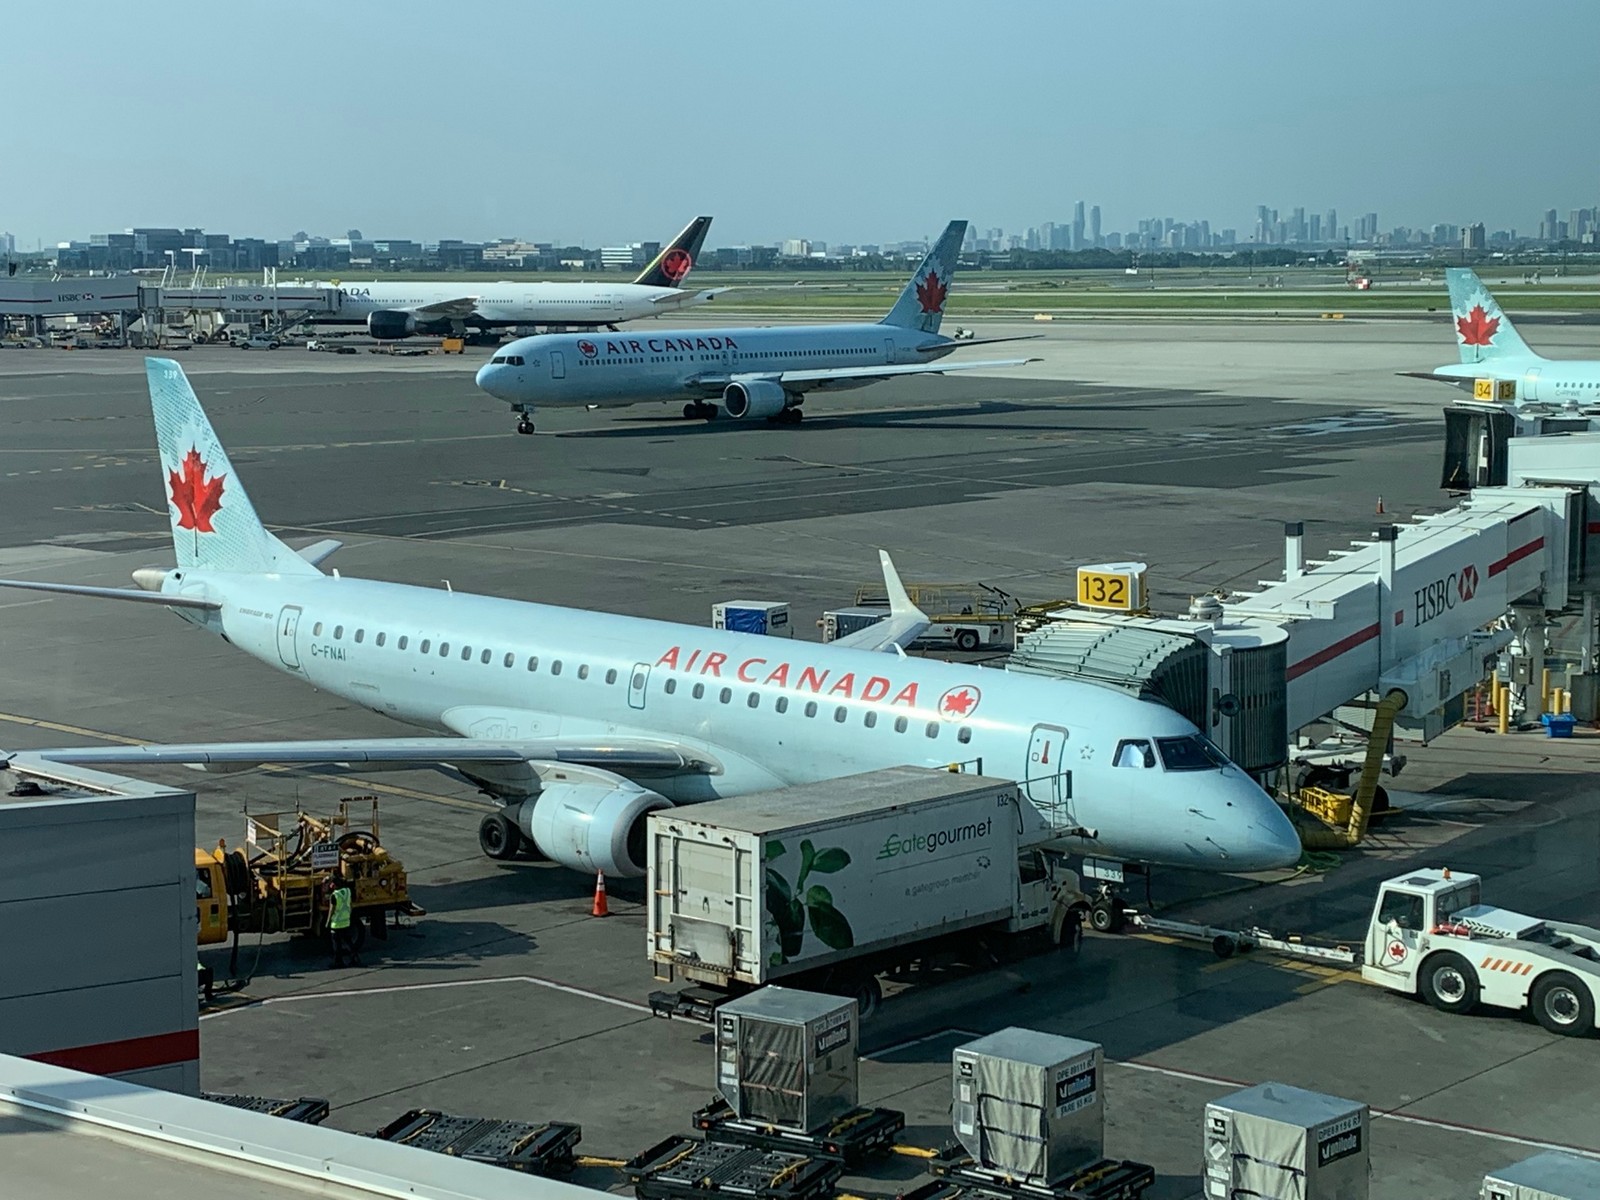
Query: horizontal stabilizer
x: 317, y: 552
x: 106, y: 593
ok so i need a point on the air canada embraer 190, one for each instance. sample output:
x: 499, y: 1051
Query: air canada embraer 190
x: 745, y: 372
x: 581, y: 723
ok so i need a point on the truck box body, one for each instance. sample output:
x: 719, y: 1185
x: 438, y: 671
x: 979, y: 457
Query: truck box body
x: 1548, y: 1176
x: 842, y: 622
x: 756, y: 888
x: 1279, y: 1142
x: 1026, y: 1105
x: 752, y: 616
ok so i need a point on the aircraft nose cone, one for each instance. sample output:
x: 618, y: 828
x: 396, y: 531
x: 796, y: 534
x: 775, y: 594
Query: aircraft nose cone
x: 486, y: 377
x: 1271, y: 842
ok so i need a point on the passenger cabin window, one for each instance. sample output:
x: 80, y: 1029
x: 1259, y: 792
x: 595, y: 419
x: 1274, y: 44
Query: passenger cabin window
x: 781, y: 704
x: 466, y: 653
x: 378, y: 641
x: 900, y: 724
x: 423, y: 649
x: 699, y: 690
x: 840, y: 713
x: 811, y: 708
x: 670, y: 686
x: 338, y: 632
x: 444, y: 649
x: 725, y: 695
x: 754, y: 700
x: 964, y: 734
x: 583, y: 671
x: 1189, y: 754
x: 1134, y: 752
x: 870, y: 719
x: 403, y: 641
x: 533, y: 663
x: 555, y: 666
x: 360, y: 633
x: 511, y: 660
x: 316, y: 630
x: 611, y: 677
x: 933, y: 729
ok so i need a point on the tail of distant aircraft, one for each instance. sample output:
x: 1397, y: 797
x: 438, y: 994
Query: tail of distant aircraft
x: 921, y: 304
x: 214, y: 524
x: 673, y: 264
x: 1483, y: 332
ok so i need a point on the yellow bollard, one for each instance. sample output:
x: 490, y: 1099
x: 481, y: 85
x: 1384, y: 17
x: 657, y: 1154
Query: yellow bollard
x: 1504, y: 717
x: 1544, y: 690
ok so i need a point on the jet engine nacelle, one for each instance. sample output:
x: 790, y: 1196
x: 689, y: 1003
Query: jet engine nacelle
x: 387, y: 325
x: 591, y: 824
x: 757, y: 398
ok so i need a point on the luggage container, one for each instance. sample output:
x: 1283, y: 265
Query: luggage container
x: 842, y: 622
x: 788, y: 1058
x: 752, y: 616
x: 1278, y: 1142
x: 1548, y: 1176
x: 1026, y: 1105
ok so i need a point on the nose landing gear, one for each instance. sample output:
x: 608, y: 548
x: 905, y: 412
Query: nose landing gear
x: 524, y: 425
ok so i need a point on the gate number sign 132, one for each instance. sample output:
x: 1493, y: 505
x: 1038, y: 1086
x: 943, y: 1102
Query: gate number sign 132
x: 1098, y: 589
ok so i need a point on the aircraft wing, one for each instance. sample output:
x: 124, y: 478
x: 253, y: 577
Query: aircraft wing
x: 823, y: 376
x: 674, y: 299
x: 108, y: 593
x: 612, y: 753
x: 904, y: 624
x: 449, y: 310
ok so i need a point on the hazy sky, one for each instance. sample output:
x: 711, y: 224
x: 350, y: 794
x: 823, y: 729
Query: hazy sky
x: 838, y: 120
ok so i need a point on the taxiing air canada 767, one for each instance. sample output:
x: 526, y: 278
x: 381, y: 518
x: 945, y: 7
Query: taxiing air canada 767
x: 1496, y: 364
x: 742, y: 372
x: 398, y: 309
x: 581, y: 723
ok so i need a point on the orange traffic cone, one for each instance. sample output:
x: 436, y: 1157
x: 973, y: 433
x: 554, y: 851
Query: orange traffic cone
x: 1380, y: 506
x: 600, y: 908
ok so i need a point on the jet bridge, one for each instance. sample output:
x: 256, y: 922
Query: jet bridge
x: 1427, y: 607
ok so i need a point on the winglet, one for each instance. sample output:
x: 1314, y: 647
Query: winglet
x: 900, y: 604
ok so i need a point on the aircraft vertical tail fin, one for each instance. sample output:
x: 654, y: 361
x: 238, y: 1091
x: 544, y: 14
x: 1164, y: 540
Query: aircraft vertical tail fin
x: 1483, y: 332
x: 921, y: 303
x: 672, y: 266
x: 214, y: 525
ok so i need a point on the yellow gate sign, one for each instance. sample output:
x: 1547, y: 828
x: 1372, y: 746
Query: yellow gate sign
x: 1494, y: 389
x: 1116, y: 587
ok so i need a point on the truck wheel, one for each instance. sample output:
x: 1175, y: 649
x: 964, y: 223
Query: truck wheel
x: 1104, y: 917
x: 1449, y: 983
x: 966, y: 639
x: 868, y: 996
x: 1068, y: 930
x: 1562, y: 1004
x: 498, y: 838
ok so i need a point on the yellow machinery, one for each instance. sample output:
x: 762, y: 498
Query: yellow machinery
x: 1338, y: 821
x: 281, y: 883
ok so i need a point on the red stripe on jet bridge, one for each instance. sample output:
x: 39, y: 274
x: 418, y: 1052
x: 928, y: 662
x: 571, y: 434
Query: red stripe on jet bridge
x: 1516, y: 556
x: 130, y: 1054
x: 1359, y: 637
x: 1592, y: 528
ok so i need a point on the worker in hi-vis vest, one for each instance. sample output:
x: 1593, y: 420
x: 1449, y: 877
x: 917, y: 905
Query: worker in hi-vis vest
x: 339, y: 922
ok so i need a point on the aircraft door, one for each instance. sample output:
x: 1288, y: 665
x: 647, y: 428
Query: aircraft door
x: 1530, y: 384
x: 638, y: 684
x: 288, y: 626
x: 1045, y: 780
x: 558, y: 365
x: 888, y: 350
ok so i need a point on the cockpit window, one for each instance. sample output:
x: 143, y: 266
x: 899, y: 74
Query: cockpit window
x: 498, y: 358
x: 514, y: 360
x: 1134, y: 752
x: 1189, y: 754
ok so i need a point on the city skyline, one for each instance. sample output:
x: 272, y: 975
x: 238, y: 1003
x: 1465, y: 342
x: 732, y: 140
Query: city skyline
x: 862, y: 123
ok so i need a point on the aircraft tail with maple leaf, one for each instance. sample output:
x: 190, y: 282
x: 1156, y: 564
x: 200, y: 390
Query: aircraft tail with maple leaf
x: 204, y: 495
x: 1483, y: 332
x: 921, y: 302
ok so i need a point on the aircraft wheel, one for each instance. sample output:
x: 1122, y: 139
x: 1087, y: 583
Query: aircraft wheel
x: 691, y: 411
x: 1562, y: 1004
x: 524, y: 426
x: 1449, y: 983
x: 498, y: 838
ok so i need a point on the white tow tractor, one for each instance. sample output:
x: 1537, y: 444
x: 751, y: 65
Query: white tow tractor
x: 1431, y: 935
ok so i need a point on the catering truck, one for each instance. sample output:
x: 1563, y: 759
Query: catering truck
x: 826, y: 886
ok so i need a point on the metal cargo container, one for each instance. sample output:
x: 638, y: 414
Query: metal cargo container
x: 1548, y: 1176
x: 842, y: 622
x: 1027, y: 1104
x: 756, y: 888
x: 1279, y: 1142
x: 752, y: 616
x: 788, y: 1058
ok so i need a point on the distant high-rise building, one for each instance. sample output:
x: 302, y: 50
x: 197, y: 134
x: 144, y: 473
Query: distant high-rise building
x: 1314, y: 229
x: 8, y: 244
x: 1330, y: 225
x: 1077, y: 225
x: 970, y: 243
x: 1473, y: 237
x: 1094, y: 227
x: 1113, y: 241
x: 1547, y: 227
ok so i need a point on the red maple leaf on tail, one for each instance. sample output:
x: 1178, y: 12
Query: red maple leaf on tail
x: 931, y: 293
x: 196, y: 497
x: 1477, y: 327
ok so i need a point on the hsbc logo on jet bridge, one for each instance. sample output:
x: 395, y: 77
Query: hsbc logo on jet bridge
x: 1445, y: 593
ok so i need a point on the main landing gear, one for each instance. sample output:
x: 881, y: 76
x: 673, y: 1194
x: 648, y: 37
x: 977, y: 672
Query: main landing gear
x: 699, y: 410
x: 789, y: 416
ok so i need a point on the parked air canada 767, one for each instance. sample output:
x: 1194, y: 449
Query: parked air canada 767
x: 582, y: 723
x: 742, y: 372
x: 1497, y: 365
x: 393, y: 309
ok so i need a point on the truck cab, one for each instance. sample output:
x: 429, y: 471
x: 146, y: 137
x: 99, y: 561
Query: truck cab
x: 1431, y: 934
